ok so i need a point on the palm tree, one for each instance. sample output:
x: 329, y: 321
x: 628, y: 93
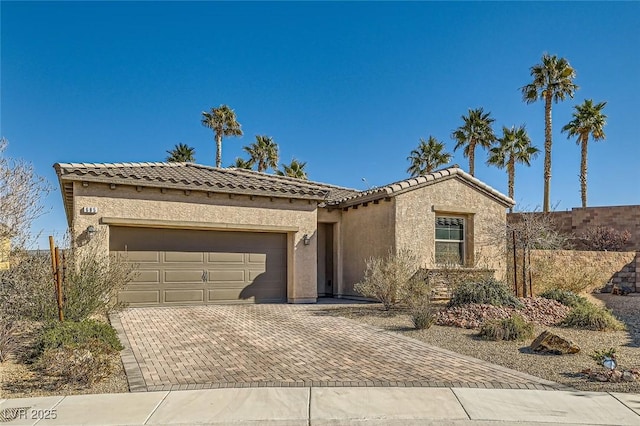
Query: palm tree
x: 513, y: 147
x: 242, y: 164
x: 222, y: 121
x: 476, y: 131
x: 182, y: 153
x: 429, y: 155
x: 552, y: 81
x: 263, y: 152
x: 294, y: 170
x: 588, y: 119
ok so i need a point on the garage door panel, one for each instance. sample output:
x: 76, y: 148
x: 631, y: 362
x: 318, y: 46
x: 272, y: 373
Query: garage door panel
x: 141, y: 256
x: 254, y: 274
x: 182, y: 296
x: 259, y: 258
x: 147, y: 277
x: 183, y: 276
x: 237, y: 258
x: 139, y: 297
x: 241, y: 267
x: 183, y: 257
x: 217, y: 276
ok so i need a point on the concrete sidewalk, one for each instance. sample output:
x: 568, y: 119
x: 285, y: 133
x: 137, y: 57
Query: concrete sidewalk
x: 328, y: 406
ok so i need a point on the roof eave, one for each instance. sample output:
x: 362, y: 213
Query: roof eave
x: 203, y: 188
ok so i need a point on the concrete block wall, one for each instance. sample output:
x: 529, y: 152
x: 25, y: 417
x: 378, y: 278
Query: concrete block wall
x: 578, y: 220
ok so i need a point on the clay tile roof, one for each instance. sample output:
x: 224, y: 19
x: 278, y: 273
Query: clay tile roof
x: 189, y: 176
x: 410, y: 184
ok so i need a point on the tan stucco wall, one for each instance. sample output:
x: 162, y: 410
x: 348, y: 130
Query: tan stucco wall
x: 581, y: 271
x: 366, y: 232
x: 175, y: 205
x: 415, y: 222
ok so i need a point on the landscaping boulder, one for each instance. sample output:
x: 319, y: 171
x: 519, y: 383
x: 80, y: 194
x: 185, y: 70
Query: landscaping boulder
x: 550, y: 343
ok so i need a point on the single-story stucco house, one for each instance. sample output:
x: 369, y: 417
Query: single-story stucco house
x: 206, y: 235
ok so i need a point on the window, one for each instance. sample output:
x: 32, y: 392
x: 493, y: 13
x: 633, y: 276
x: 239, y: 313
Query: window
x: 449, y: 240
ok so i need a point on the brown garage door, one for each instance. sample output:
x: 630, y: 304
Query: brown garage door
x: 178, y: 267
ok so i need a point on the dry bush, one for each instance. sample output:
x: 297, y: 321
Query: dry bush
x: 591, y: 317
x: 604, y: 238
x: 8, y: 341
x: 21, y: 192
x: 393, y: 279
x: 82, y: 364
x: 92, y: 281
x: 90, y: 285
x: 26, y: 288
x: 512, y: 328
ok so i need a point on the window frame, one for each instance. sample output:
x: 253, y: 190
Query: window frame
x: 462, y: 243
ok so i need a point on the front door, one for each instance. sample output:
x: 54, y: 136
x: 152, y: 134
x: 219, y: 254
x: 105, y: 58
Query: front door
x: 326, y: 274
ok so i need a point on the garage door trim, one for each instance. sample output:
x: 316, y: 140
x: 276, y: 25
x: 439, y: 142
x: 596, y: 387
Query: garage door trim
x: 186, y: 224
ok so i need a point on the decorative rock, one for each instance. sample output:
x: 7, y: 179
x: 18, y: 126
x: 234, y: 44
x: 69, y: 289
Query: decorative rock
x: 550, y: 343
x: 612, y: 376
x: 536, y: 309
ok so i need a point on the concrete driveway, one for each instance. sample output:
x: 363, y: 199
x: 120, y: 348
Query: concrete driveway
x: 202, y: 347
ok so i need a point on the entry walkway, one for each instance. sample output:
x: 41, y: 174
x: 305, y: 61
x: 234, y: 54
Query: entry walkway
x: 328, y: 406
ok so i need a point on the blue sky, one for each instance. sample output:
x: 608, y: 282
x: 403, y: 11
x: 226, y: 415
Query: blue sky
x: 348, y: 87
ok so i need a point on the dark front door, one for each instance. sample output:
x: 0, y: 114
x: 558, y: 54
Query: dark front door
x: 326, y: 274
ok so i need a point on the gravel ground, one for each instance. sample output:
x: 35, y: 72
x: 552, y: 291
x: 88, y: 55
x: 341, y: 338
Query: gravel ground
x: 516, y: 355
x: 19, y: 380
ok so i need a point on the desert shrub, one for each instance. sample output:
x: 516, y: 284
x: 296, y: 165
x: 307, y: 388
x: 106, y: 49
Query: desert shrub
x: 26, y: 289
x: 7, y: 338
x: 82, y: 364
x: 90, y: 285
x: 392, y: 279
x: 604, y: 238
x: 567, y: 298
x: 591, y: 317
x: 490, y: 292
x: 422, y: 317
x: 420, y: 309
x: 512, y: 328
x: 71, y: 334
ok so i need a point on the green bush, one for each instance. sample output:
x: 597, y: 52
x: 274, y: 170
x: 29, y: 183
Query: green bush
x: 489, y: 292
x: 82, y: 364
x: 567, y: 298
x: 512, y: 328
x: 591, y: 317
x: 600, y: 355
x: 71, y: 334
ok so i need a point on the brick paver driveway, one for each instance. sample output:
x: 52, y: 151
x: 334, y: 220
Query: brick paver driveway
x: 287, y: 345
